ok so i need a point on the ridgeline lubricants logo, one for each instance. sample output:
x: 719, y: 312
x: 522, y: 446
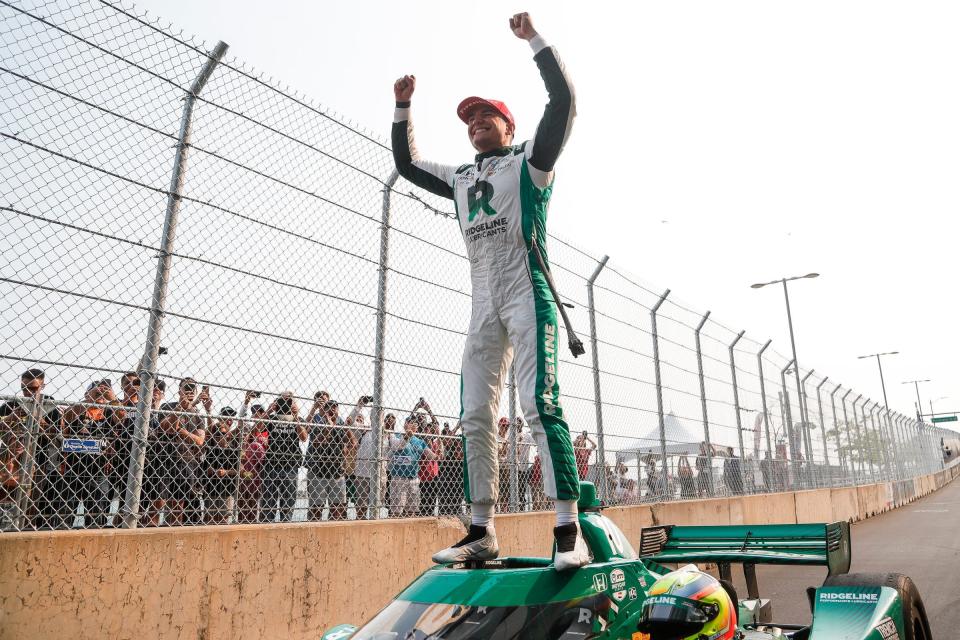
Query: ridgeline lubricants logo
x: 839, y: 596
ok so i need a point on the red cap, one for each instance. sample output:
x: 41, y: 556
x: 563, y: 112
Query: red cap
x: 468, y: 103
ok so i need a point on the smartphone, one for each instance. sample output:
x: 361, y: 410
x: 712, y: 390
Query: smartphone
x: 255, y: 394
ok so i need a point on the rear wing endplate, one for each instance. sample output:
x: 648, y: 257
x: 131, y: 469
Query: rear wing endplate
x: 801, y: 544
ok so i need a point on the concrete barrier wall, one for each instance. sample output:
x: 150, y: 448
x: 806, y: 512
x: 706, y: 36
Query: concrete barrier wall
x: 296, y: 580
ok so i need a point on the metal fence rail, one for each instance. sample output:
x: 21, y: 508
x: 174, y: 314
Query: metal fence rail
x: 221, y: 305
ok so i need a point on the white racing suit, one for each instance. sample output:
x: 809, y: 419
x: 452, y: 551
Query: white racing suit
x: 501, y: 203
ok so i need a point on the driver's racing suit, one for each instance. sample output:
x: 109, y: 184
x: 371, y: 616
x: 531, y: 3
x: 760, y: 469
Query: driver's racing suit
x: 501, y: 203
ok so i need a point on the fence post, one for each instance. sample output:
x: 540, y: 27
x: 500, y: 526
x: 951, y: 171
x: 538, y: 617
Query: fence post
x: 886, y: 426
x: 380, y: 346
x: 513, y: 439
x: 703, y: 403
x: 904, y: 429
x: 771, y: 458
x: 841, y: 459
x: 736, y: 410
x: 823, y: 432
x: 882, y: 425
x: 788, y: 419
x: 805, y: 431
x: 598, y: 404
x: 856, y: 425
x: 27, y: 463
x: 875, y: 469
x: 130, y: 510
x: 851, y: 468
x: 656, y: 372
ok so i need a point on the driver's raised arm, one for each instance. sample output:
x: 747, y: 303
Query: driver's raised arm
x: 557, y: 120
x: 435, y: 178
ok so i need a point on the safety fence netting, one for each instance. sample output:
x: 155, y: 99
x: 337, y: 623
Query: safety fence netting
x: 220, y: 305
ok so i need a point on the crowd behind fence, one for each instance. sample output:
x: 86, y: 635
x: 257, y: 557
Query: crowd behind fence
x: 220, y: 304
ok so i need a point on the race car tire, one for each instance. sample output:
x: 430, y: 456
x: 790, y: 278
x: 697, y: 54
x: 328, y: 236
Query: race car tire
x: 916, y: 625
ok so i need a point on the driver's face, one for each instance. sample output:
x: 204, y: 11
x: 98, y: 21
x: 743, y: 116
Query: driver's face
x: 487, y: 129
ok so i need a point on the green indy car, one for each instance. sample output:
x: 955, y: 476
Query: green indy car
x: 627, y: 595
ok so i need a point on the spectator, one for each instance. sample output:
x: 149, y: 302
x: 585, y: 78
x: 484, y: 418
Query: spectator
x: 321, y: 400
x: 330, y: 442
x: 766, y: 471
x: 283, y: 457
x: 451, y: 470
x: 405, y: 454
x: 583, y: 448
x: 688, y: 487
x: 159, y: 462
x: 91, y: 426
x: 356, y: 427
x: 121, y: 446
x: 655, y: 481
x: 525, y: 451
x: 704, y: 471
x: 254, y: 453
x: 44, y: 500
x: 538, y: 496
x: 10, y: 456
x: 221, y: 461
x: 624, y: 490
x: 325, y: 411
x: 368, y: 467
x: 733, y: 473
x: 429, y: 468
x: 503, y: 484
x: 187, y: 432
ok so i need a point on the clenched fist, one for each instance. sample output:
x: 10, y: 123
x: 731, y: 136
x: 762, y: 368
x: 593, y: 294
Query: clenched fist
x: 403, y: 88
x: 522, y: 26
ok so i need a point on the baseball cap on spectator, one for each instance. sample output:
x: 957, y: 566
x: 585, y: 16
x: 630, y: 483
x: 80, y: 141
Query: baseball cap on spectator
x: 228, y: 411
x: 160, y: 384
x: 99, y: 383
x: 463, y: 109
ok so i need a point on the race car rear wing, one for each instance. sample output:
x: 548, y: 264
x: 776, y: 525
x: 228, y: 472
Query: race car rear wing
x: 801, y: 544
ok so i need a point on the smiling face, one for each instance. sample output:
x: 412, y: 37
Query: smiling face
x: 488, y: 129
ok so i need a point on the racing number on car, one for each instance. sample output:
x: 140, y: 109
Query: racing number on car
x: 478, y: 197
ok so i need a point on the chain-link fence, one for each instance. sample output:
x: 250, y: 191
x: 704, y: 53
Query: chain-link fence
x: 221, y: 306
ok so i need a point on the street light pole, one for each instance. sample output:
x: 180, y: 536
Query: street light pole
x: 880, y: 367
x: 793, y: 342
x: 916, y: 385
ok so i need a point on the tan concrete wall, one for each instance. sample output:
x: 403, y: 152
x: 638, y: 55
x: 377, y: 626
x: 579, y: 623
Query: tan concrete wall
x: 813, y: 506
x: 296, y: 580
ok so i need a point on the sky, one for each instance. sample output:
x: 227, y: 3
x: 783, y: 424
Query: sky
x: 716, y: 145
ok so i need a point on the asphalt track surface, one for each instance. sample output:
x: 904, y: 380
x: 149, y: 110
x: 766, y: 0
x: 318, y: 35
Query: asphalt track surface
x: 921, y: 540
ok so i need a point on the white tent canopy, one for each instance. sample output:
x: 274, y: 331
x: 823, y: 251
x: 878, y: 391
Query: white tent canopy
x: 680, y: 440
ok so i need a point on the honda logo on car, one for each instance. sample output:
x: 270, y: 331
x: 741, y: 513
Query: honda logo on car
x: 840, y: 596
x: 600, y: 581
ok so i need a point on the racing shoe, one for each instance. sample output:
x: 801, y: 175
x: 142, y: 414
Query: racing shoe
x: 480, y: 543
x: 572, y: 550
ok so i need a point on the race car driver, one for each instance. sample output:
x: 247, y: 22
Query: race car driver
x: 501, y: 202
